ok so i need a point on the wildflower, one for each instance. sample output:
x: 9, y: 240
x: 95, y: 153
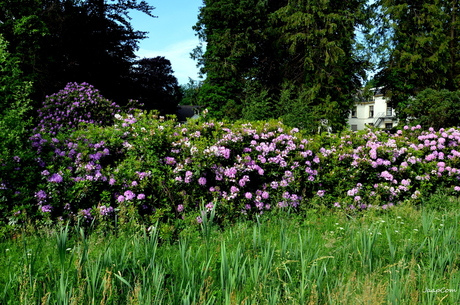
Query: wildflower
x: 248, y: 195
x: 457, y: 188
x: 337, y: 205
x: 320, y: 193
x: 112, y: 181
x: 180, y: 208
x: 121, y: 198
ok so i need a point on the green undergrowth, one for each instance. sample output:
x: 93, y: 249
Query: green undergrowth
x: 405, y: 255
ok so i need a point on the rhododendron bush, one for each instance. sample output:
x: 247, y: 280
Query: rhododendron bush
x: 150, y: 168
x: 143, y: 166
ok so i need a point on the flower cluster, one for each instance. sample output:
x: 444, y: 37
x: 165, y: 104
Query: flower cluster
x: 239, y: 169
x: 72, y: 106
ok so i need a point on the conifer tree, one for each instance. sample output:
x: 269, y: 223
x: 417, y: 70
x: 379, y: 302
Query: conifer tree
x: 420, y: 39
x: 292, y: 59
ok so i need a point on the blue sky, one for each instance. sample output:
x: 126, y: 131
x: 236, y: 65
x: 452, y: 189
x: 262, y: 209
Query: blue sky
x: 170, y: 35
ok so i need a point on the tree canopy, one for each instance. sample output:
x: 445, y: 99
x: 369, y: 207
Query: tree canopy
x: 289, y: 59
x: 419, y: 47
x: 62, y: 41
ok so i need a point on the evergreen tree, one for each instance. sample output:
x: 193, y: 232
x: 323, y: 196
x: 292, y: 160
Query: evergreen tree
x: 321, y: 68
x: 276, y: 58
x: 155, y: 85
x: 421, y: 47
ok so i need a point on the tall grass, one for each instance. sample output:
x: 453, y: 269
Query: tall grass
x: 409, y: 255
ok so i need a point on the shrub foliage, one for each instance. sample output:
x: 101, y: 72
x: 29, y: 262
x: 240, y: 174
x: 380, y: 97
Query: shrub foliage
x: 142, y: 167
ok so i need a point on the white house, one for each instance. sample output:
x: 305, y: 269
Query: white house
x: 372, y: 111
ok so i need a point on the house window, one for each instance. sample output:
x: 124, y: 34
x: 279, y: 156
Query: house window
x: 354, y: 127
x: 388, y: 125
x: 371, y: 111
x: 354, y: 112
x: 389, y: 111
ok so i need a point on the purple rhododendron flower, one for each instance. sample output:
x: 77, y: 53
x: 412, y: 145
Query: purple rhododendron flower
x: 170, y: 161
x: 46, y: 208
x: 87, y: 213
x: 106, y: 210
x: 265, y: 195
x: 129, y: 195
x: 387, y: 176
x: 141, y: 196
x: 202, y: 181
x: 41, y: 195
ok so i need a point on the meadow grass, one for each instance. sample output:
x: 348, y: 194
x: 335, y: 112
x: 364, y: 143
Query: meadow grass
x: 407, y: 255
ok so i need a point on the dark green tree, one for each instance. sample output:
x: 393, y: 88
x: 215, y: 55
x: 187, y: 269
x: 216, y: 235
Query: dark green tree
x: 61, y: 41
x: 419, y: 47
x: 190, y: 92
x: 18, y: 169
x: 434, y: 108
x: 235, y: 33
x: 155, y: 86
x: 268, y: 58
x: 321, y: 70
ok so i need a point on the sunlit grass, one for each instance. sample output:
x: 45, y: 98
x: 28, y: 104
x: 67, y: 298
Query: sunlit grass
x: 408, y: 255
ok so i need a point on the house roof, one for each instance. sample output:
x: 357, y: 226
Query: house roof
x: 186, y: 111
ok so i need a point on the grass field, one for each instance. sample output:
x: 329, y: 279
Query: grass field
x: 407, y: 255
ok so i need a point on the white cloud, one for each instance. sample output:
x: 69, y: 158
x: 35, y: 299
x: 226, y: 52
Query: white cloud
x: 179, y: 55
